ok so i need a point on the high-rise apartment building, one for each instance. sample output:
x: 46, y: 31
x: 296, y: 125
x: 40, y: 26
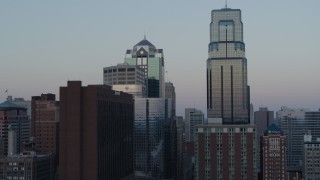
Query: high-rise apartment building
x: 45, y: 123
x: 16, y: 117
x: 295, y: 123
x: 228, y: 94
x: 273, y: 154
x: 311, y: 158
x: 145, y: 55
x: 152, y: 115
x: 192, y: 118
x: 126, y: 78
x: 225, y: 152
x: 96, y: 133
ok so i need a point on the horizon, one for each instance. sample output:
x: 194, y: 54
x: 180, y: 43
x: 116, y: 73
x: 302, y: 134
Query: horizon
x: 45, y: 44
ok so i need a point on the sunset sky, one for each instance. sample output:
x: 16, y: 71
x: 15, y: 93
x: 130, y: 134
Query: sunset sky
x: 43, y: 44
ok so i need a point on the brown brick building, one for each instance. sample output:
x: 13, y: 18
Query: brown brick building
x: 96, y: 133
x: 225, y: 152
x: 45, y: 123
x: 273, y: 154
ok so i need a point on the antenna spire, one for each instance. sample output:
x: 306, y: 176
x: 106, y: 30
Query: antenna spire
x: 144, y: 36
x: 226, y: 4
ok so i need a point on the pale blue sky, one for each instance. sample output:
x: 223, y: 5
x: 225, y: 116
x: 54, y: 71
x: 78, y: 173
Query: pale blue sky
x: 45, y: 43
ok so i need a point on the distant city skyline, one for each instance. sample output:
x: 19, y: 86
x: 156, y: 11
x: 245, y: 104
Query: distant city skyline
x: 45, y: 44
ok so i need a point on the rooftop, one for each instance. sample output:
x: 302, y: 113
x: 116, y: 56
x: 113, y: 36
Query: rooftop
x: 9, y: 106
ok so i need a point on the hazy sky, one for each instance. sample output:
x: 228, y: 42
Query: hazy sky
x: 43, y: 44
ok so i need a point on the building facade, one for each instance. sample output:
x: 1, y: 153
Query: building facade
x: 45, y: 123
x: 273, y: 154
x: 311, y: 158
x: 225, y: 152
x: 96, y: 133
x: 145, y: 55
x: 126, y: 78
x: 152, y: 117
x: 192, y: 117
x: 16, y: 117
x: 226, y: 147
x: 27, y: 165
x: 295, y: 123
x: 228, y: 94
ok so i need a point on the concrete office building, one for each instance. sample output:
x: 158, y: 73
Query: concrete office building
x: 295, y: 123
x: 145, y: 55
x: 192, y: 118
x: 311, y: 158
x: 96, y: 133
x: 225, y: 152
x: 273, y: 154
x: 16, y: 117
x: 126, y: 78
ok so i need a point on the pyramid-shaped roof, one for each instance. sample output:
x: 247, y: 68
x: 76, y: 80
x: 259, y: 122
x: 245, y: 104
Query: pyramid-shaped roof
x: 144, y: 42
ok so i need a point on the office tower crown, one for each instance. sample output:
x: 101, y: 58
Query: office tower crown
x: 228, y: 93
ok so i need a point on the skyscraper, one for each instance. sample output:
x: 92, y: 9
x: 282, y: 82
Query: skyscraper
x: 152, y: 116
x: 226, y: 147
x: 145, y: 55
x: 228, y: 94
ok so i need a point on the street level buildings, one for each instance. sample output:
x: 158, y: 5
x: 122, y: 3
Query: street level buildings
x: 96, y: 133
x: 273, y: 154
x: 27, y: 165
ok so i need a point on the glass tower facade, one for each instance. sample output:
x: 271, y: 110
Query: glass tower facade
x: 295, y: 123
x: 228, y: 94
x: 151, y: 116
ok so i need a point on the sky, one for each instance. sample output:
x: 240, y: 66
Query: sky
x: 43, y: 44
